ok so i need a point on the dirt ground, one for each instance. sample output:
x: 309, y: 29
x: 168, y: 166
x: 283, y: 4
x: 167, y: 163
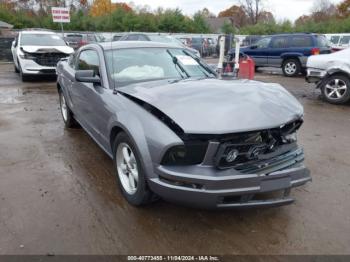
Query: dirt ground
x: 58, y: 192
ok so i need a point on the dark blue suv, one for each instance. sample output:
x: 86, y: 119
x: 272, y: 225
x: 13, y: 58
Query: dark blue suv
x: 289, y: 51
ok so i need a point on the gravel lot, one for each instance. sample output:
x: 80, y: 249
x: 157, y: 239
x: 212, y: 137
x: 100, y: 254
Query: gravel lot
x: 58, y: 193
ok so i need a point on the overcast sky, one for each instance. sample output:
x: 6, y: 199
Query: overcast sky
x: 281, y: 9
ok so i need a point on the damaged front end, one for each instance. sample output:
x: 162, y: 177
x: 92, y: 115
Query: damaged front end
x: 257, y: 152
x: 249, y: 169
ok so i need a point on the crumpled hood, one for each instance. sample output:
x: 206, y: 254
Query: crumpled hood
x: 48, y: 49
x: 213, y: 106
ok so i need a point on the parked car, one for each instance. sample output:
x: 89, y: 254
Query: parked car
x: 76, y: 40
x: 176, y: 131
x: 339, y: 41
x: 331, y: 73
x: 38, y: 52
x: 288, y: 51
x: 157, y: 38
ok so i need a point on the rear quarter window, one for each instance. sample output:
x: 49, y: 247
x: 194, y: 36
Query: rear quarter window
x: 322, y: 41
x: 301, y: 41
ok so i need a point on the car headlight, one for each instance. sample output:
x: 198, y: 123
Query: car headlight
x: 188, y: 154
x: 27, y: 56
x: 290, y: 138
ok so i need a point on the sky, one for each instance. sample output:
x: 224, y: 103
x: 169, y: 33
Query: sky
x: 282, y: 9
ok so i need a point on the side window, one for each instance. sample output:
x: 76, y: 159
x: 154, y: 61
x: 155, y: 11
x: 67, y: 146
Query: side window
x: 142, y: 38
x: 91, y: 38
x: 89, y: 60
x: 335, y: 39
x: 132, y: 38
x: 344, y: 40
x: 301, y: 41
x: 279, y: 42
x: 263, y: 43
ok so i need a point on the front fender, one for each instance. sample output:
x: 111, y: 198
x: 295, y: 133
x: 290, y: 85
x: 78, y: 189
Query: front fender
x: 150, y: 136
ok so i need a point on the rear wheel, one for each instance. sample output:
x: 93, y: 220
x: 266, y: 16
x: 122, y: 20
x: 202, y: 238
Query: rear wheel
x: 130, y: 173
x: 67, y: 114
x: 336, y: 89
x: 291, y: 67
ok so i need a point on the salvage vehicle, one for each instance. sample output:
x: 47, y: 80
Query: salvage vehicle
x: 174, y: 130
x: 37, y: 52
x: 331, y: 73
x: 287, y: 51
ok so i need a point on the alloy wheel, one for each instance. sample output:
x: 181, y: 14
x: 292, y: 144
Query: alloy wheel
x: 290, y: 68
x: 127, y: 168
x: 335, y: 89
x: 64, y: 108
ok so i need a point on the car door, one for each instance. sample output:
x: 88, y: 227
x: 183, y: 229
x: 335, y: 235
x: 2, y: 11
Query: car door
x: 259, y: 51
x: 278, y: 46
x: 93, y: 112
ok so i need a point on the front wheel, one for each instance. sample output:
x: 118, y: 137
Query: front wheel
x: 291, y: 67
x: 130, y: 173
x: 336, y: 89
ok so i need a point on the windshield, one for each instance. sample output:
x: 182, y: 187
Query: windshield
x: 127, y: 66
x: 42, y: 40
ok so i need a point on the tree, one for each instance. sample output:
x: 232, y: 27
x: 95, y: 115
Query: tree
x: 252, y: 8
x: 344, y: 9
x: 322, y: 10
x: 227, y: 28
x: 103, y: 7
x: 237, y: 14
x: 266, y: 17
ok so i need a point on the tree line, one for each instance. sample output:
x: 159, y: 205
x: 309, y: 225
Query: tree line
x: 246, y: 17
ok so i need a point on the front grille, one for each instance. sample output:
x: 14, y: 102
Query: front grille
x: 48, y: 59
x: 280, y: 162
x: 250, y: 152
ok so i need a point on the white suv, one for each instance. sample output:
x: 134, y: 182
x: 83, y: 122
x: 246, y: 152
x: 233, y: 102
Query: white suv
x: 37, y: 52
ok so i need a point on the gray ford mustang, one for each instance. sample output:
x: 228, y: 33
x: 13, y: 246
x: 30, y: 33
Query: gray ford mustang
x: 175, y: 131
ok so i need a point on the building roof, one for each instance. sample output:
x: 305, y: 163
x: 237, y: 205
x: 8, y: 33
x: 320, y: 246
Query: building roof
x: 5, y: 25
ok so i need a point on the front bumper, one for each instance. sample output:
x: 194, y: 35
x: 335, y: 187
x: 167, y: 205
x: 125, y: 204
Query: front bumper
x: 30, y: 67
x: 206, y: 187
x: 314, y: 75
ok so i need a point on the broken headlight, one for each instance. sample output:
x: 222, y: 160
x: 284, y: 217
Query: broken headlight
x: 290, y: 138
x: 189, y: 154
x: 27, y: 56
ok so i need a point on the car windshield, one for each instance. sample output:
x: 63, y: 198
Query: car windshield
x: 127, y: 66
x: 42, y: 40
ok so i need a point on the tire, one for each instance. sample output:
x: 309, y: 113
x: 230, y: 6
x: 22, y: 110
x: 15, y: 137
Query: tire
x: 137, y: 192
x: 291, y: 67
x: 24, y: 77
x: 336, y: 89
x: 67, y: 114
x: 16, y: 69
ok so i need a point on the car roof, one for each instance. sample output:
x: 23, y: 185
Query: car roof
x: 38, y: 32
x: 134, y: 44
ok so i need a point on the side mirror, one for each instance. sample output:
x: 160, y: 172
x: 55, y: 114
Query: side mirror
x: 87, y: 76
x: 253, y: 46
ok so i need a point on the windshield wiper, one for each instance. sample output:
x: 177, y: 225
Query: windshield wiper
x: 198, y: 60
x: 176, y: 63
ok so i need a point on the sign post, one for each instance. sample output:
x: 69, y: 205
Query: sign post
x: 60, y: 15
